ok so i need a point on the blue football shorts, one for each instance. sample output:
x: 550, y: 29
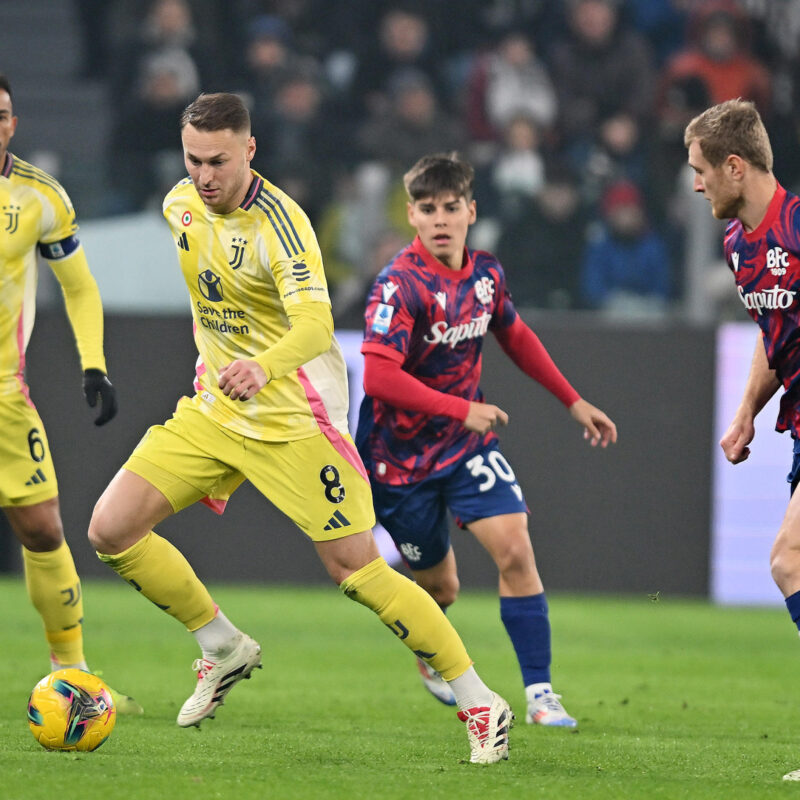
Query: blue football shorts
x: 482, y: 484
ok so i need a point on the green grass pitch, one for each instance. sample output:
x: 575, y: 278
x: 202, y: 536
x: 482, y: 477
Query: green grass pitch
x: 676, y: 699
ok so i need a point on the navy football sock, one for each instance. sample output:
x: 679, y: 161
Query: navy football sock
x: 793, y: 604
x: 528, y: 627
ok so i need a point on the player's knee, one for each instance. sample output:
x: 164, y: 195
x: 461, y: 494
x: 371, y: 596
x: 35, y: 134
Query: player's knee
x: 104, y: 533
x: 444, y: 592
x: 516, y: 557
x: 41, y: 538
x: 784, y: 563
x: 38, y: 527
x: 781, y: 566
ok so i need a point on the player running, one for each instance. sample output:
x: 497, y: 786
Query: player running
x: 271, y: 407
x: 427, y: 436
x: 731, y: 155
x: 38, y: 215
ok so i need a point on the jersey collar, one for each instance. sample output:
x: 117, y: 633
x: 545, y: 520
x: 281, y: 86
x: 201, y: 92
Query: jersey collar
x: 773, y: 210
x: 436, y: 266
x: 7, y: 165
x: 252, y: 192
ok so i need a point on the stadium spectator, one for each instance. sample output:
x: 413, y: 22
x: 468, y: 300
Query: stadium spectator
x: 662, y: 23
x: 144, y: 159
x: 718, y: 55
x: 427, y: 436
x: 350, y: 299
x: 621, y: 150
x: 304, y: 147
x: 625, y: 268
x: 413, y: 124
x: 508, y: 182
x: 167, y: 27
x: 270, y: 407
x: 405, y: 42
x: 730, y: 153
x: 605, y: 69
x: 542, y: 246
x: 39, y: 220
x: 507, y: 82
x: 270, y: 59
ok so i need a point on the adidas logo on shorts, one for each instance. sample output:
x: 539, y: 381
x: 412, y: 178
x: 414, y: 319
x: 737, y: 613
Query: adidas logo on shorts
x: 37, y: 477
x: 338, y: 520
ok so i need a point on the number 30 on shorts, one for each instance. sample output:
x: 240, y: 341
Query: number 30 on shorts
x: 334, y: 490
x: 497, y: 467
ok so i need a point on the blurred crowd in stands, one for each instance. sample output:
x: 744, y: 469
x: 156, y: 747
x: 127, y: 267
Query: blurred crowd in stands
x: 572, y: 112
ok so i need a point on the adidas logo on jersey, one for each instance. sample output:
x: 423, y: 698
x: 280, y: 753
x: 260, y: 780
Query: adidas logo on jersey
x: 183, y: 242
x: 338, y: 520
x: 37, y: 477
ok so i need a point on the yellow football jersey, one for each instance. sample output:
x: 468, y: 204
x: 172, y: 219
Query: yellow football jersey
x: 36, y: 211
x: 243, y: 271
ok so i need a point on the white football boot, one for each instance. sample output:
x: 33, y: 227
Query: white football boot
x: 216, y: 679
x: 487, y: 730
x: 544, y: 708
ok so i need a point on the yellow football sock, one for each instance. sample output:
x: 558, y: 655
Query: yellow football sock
x: 411, y: 614
x: 55, y: 591
x: 159, y: 571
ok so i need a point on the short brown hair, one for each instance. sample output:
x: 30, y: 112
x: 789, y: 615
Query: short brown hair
x: 4, y: 84
x: 217, y: 112
x: 731, y: 128
x: 437, y: 174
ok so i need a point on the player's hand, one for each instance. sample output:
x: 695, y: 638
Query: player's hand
x: 598, y: 427
x: 96, y: 384
x: 241, y: 379
x: 734, y: 443
x: 482, y: 417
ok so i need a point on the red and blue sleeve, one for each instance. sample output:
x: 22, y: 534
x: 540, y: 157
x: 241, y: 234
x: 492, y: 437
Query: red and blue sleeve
x: 526, y: 350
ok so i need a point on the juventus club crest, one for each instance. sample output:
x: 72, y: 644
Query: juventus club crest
x: 237, y: 244
x: 11, y: 214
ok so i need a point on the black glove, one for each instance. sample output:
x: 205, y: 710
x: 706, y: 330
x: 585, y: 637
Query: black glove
x: 95, y: 382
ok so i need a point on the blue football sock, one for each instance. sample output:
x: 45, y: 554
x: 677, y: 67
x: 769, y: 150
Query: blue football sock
x: 528, y: 627
x: 793, y: 604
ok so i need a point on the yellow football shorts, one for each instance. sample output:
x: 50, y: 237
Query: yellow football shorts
x: 321, y: 485
x: 27, y: 473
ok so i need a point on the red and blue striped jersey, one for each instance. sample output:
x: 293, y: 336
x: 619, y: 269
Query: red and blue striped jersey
x: 433, y: 321
x: 766, y: 266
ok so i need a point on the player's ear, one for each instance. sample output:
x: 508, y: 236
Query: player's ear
x: 473, y: 211
x: 735, y: 166
x: 251, y: 148
x: 410, y: 212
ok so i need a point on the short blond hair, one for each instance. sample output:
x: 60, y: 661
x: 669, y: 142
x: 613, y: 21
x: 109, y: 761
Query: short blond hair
x: 731, y: 128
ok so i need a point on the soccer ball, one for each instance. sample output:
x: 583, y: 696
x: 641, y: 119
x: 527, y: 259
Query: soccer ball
x: 71, y: 710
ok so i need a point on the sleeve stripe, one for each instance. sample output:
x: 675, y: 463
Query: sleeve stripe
x: 276, y: 203
x: 34, y: 174
x: 268, y: 212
